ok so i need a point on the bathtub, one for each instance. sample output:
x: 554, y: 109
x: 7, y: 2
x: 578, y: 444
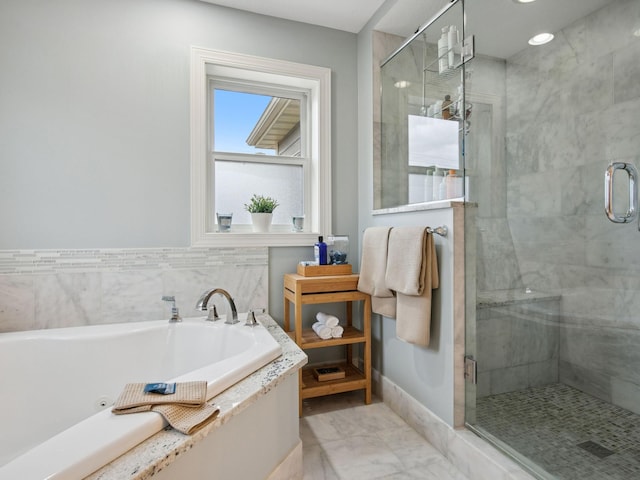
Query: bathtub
x: 57, y: 387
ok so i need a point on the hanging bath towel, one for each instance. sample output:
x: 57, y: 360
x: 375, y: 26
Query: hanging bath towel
x: 373, y: 266
x: 412, y: 272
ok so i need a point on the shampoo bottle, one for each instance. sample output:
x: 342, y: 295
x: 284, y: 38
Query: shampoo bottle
x: 437, y: 112
x: 460, y: 103
x: 320, y: 251
x: 428, y: 185
x: 437, y: 180
x: 443, y: 60
x: 446, y: 107
x: 450, y: 184
x: 452, y: 41
x: 442, y: 188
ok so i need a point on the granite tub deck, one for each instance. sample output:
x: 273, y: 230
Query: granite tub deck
x: 164, y: 448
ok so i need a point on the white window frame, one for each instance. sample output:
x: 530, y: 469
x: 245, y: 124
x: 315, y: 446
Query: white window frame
x: 316, y: 81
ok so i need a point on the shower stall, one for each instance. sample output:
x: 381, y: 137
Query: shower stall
x: 552, y: 284
x: 553, y: 310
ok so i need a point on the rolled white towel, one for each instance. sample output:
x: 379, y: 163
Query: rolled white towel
x: 322, y: 330
x: 329, y: 320
x: 336, y: 332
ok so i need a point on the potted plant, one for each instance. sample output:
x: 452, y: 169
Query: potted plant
x: 261, y: 209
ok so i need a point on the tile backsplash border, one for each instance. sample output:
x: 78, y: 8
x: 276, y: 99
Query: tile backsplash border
x: 42, y: 289
x: 126, y: 259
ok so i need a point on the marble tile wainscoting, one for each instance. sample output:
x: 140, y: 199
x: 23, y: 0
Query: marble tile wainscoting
x: 65, y: 288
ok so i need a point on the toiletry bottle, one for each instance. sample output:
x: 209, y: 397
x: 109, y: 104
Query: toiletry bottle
x: 320, y: 251
x: 437, y: 109
x: 437, y: 180
x: 452, y: 41
x: 442, y: 188
x: 443, y: 60
x: 428, y: 185
x: 430, y: 111
x: 446, y: 107
x: 459, y: 103
x: 458, y: 186
x: 450, y: 184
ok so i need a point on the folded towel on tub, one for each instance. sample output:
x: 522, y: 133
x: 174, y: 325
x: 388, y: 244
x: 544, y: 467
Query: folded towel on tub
x: 185, y: 410
x: 412, y: 272
x: 373, y: 266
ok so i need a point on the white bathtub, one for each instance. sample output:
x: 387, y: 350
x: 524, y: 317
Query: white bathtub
x: 52, y: 383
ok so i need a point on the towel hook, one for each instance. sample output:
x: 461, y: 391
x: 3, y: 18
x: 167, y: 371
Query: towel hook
x: 442, y: 231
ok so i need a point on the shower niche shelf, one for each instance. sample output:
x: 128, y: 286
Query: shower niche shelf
x: 463, y: 52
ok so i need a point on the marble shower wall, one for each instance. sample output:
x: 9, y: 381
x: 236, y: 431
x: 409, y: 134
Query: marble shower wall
x: 572, y: 108
x: 61, y: 288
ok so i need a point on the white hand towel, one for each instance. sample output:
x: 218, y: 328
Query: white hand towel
x: 322, y: 330
x: 326, y: 319
x: 337, y: 331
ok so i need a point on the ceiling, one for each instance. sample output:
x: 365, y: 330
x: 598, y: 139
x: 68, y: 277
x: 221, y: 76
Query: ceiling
x: 353, y: 14
x: 502, y: 27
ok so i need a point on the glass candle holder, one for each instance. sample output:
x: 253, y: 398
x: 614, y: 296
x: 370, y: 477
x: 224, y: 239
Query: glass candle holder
x: 224, y: 221
x: 338, y: 249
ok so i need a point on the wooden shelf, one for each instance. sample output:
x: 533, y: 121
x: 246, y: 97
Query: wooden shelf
x: 354, y: 380
x: 300, y: 290
x: 311, y: 340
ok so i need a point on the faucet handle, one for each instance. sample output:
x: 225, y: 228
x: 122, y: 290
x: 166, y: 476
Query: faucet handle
x: 175, y: 315
x: 251, y: 317
x: 213, y: 314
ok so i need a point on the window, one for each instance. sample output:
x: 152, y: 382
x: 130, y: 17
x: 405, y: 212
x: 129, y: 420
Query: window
x: 258, y: 126
x: 257, y: 142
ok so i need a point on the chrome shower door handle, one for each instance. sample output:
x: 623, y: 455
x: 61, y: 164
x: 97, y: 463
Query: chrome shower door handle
x: 633, y: 192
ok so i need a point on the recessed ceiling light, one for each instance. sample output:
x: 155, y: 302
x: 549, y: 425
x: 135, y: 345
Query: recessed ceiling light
x: 401, y: 84
x: 637, y: 33
x: 524, y: 1
x: 541, y: 39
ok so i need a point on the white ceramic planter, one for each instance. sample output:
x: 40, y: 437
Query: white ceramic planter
x: 261, y: 222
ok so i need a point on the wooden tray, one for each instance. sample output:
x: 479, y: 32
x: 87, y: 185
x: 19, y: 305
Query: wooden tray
x: 322, y: 375
x: 322, y: 270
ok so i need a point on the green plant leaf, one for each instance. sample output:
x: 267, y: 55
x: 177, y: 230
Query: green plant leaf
x: 261, y: 204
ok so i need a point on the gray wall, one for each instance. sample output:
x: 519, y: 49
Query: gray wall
x: 95, y: 115
x: 427, y: 374
x: 94, y: 124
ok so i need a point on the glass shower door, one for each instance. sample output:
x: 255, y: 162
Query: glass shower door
x: 552, y: 304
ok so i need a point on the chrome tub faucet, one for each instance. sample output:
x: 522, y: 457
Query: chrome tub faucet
x: 213, y: 314
x: 175, y: 314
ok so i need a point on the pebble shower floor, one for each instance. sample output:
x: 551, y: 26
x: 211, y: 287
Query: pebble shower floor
x: 568, y: 433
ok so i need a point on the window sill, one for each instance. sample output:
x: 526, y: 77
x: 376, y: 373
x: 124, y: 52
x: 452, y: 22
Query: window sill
x: 252, y: 239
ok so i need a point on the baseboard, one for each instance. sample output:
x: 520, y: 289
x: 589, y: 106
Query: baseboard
x: 291, y: 467
x: 470, y: 454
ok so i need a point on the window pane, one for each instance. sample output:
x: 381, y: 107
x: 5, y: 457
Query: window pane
x: 236, y: 182
x: 251, y: 123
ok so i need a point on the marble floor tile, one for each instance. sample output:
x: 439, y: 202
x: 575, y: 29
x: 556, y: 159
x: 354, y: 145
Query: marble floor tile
x: 344, y: 439
x: 316, y: 464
